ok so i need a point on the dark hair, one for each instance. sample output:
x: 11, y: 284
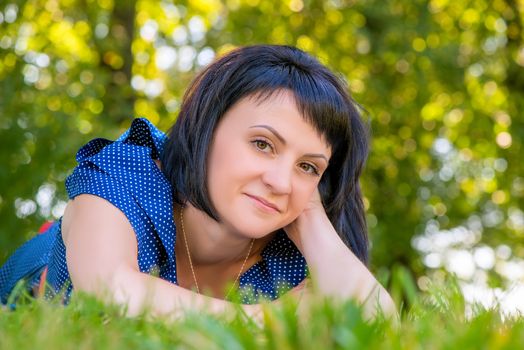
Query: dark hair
x: 321, y: 98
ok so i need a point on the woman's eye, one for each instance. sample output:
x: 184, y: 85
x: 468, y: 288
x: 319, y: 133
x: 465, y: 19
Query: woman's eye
x: 262, y: 145
x: 308, y: 168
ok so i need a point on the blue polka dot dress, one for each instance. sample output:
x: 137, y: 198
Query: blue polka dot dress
x: 124, y: 173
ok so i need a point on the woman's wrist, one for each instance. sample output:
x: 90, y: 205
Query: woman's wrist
x: 317, y: 234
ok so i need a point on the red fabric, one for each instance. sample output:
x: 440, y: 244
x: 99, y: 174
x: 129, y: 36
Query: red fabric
x: 43, y: 277
x: 44, y: 227
x: 41, y: 285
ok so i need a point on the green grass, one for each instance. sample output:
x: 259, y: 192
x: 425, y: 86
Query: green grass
x: 436, y: 320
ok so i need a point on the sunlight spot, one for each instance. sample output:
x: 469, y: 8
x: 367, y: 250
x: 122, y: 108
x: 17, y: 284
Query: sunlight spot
x: 142, y: 58
x: 446, y: 173
x: 6, y: 42
x: 165, y: 57
x: 461, y: 262
x: 138, y: 82
x: 62, y: 66
x: 484, y: 257
x: 180, y: 35
x: 492, y: 218
x: 513, y: 300
x: 476, y: 70
x: 500, y: 165
x: 363, y: 47
x: 426, y: 175
x: 172, y: 105
x: 503, y: 252
x: 154, y: 88
x: 499, y: 197
x: 504, y: 139
x: 487, y: 173
x: 171, y: 11
x: 296, y: 5
x: 31, y: 74
x: 520, y: 57
x: 101, y: 30
x: 149, y: 30
x: 10, y: 13
x: 42, y: 60
x: 474, y: 293
x: 442, y: 145
x: 84, y: 126
x: 44, y: 197
x: 197, y: 28
x: 424, y: 193
x: 513, y: 270
x: 516, y: 219
x: 433, y: 260
x: 58, y: 209
x: 418, y: 44
x: 402, y: 66
x: 186, y: 56
x: 205, y: 56
x: 25, y: 207
x: 500, y: 25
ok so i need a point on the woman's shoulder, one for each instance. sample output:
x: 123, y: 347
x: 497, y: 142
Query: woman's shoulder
x: 125, y: 173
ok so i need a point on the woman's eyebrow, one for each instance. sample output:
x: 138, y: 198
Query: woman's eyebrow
x: 281, y: 139
x: 317, y: 155
x: 278, y: 136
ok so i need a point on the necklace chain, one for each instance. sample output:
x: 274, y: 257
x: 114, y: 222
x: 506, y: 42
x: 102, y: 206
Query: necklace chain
x: 191, y: 262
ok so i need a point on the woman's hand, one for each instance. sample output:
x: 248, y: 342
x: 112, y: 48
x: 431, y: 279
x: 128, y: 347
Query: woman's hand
x: 334, y: 269
x: 297, y: 230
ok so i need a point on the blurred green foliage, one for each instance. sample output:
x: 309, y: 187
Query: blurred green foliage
x: 436, y: 321
x: 442, y: 82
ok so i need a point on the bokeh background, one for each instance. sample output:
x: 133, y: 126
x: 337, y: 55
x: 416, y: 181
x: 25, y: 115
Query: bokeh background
x: 442, y: 82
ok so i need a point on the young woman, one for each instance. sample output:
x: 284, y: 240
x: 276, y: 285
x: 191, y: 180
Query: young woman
x: 256, y: 186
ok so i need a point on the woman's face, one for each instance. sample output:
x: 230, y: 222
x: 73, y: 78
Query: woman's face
x: 265, y: 162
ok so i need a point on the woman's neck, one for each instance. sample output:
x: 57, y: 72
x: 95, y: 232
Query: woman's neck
x: 210, y: 242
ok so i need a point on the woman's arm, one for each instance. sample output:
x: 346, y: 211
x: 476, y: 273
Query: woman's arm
x: 336, y: 271
x: 101, y: 253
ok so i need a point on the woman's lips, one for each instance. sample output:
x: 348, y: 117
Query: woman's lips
x: 264, y: 204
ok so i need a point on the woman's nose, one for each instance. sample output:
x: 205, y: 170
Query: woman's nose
x: 278, y: 177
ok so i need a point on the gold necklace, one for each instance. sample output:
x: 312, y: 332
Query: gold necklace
x: 191, y: 262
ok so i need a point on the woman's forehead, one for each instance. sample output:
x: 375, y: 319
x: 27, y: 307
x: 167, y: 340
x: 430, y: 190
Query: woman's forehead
x: 288, y: 96
x: 277, y: 113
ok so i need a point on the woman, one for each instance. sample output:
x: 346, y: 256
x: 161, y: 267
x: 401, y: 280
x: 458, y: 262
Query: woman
x: 256, y: 185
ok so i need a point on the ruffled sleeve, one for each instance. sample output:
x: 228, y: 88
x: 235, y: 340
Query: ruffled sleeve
x: 123, y: 172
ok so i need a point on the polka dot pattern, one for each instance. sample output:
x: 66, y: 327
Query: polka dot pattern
x: 123, y: 172
x: 27, y: 262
